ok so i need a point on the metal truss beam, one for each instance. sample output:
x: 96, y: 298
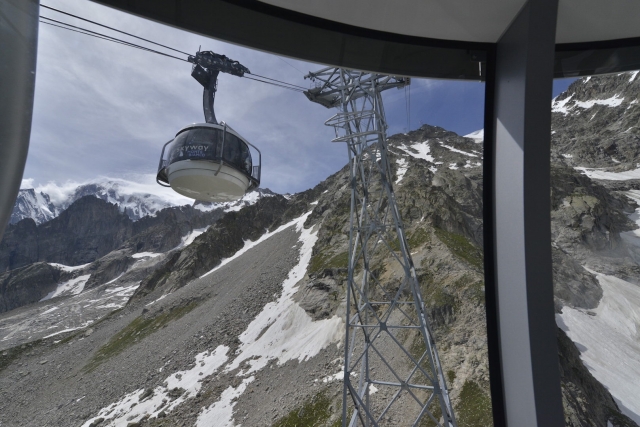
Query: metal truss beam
x: 392, y: 372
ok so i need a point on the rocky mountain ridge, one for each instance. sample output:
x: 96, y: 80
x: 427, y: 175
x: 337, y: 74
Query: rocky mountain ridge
x: 92, y: 231
x: 135, y: 199
x: 91, y: 228
x: 595, y: 123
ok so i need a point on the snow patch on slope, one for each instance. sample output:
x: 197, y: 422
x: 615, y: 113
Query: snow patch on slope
x: 470, y: 164
x: 609, y: 342
x: 455, y: 150
x: 189, y: 238
x: 614, y: 101
x: 561, y: 106
x: 67, y: 267
x: 477, y: 136
x: 136, y: 405
x: 248, y: 199
x: 403, y: 166
x: 290, y: 332
x: 610, y: 176
x: 220, y: 414
x: 71, y: 287
x: 564, y: 107
x: 283, y: 331
x: 419, y: 150
x: 145, y: 255
x: 84, y: 325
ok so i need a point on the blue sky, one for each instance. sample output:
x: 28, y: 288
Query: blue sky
x: 103, y: 109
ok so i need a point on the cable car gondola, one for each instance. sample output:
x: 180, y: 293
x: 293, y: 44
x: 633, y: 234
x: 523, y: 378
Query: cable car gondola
x: 210, y: 161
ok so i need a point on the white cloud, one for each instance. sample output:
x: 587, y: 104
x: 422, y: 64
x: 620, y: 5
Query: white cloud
x: 26, y: 183
x: 107, y: 109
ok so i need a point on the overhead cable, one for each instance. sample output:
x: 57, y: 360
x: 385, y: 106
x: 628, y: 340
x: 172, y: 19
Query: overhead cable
x: 111, y: 28
x: 289, y: 64
x: 275, y: 84
x: 279, y: 81
x: 87, y: 32
x: 82, y: 32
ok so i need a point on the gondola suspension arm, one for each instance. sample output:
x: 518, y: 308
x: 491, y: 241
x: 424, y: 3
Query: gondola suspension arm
x: 206, y: 67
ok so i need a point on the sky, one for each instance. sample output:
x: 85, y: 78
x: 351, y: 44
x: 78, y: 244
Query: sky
x: 104, y: 110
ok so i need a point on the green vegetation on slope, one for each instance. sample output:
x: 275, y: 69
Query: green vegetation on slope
x: 135, y: 331
x: 313, y: 413
x: 418, y: 238
x: 426, y: 421
x: 461, y: 247
x: 473, y: 288
x: 322, y: 260
x: 474, y: 409
x: 451, y: 377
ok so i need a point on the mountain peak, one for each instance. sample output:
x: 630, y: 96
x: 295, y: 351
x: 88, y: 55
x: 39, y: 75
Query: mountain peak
x: 595, y: 122
x: 33, y: 204
x: 137, y: 198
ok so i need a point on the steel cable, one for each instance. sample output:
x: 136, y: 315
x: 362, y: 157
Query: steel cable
x: 111, y: 28
x: 85, y: 31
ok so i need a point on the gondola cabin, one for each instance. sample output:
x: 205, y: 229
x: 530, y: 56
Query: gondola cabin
x: 209, y: 162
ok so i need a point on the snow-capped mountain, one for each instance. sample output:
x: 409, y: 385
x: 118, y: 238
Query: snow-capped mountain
x: 137, y: 198
x: 33, y: 204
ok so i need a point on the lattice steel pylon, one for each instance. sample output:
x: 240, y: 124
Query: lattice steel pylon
x: 392, y: 372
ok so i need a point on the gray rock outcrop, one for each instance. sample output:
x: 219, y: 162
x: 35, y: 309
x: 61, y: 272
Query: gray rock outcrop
x: 27, y: 285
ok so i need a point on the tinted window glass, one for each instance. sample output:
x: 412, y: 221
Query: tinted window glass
x: 245, y: 157
x: 174, y: 147
x: 196, y: 144
x: 237, y: 153
x: 231, y: 150
x: 206, y: 144
x: 201, y: 144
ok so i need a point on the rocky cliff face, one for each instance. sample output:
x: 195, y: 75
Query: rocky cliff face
x: 87, y: 230
x: 595, y: 122
x: 27, y: 285
x: 91, y: 228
